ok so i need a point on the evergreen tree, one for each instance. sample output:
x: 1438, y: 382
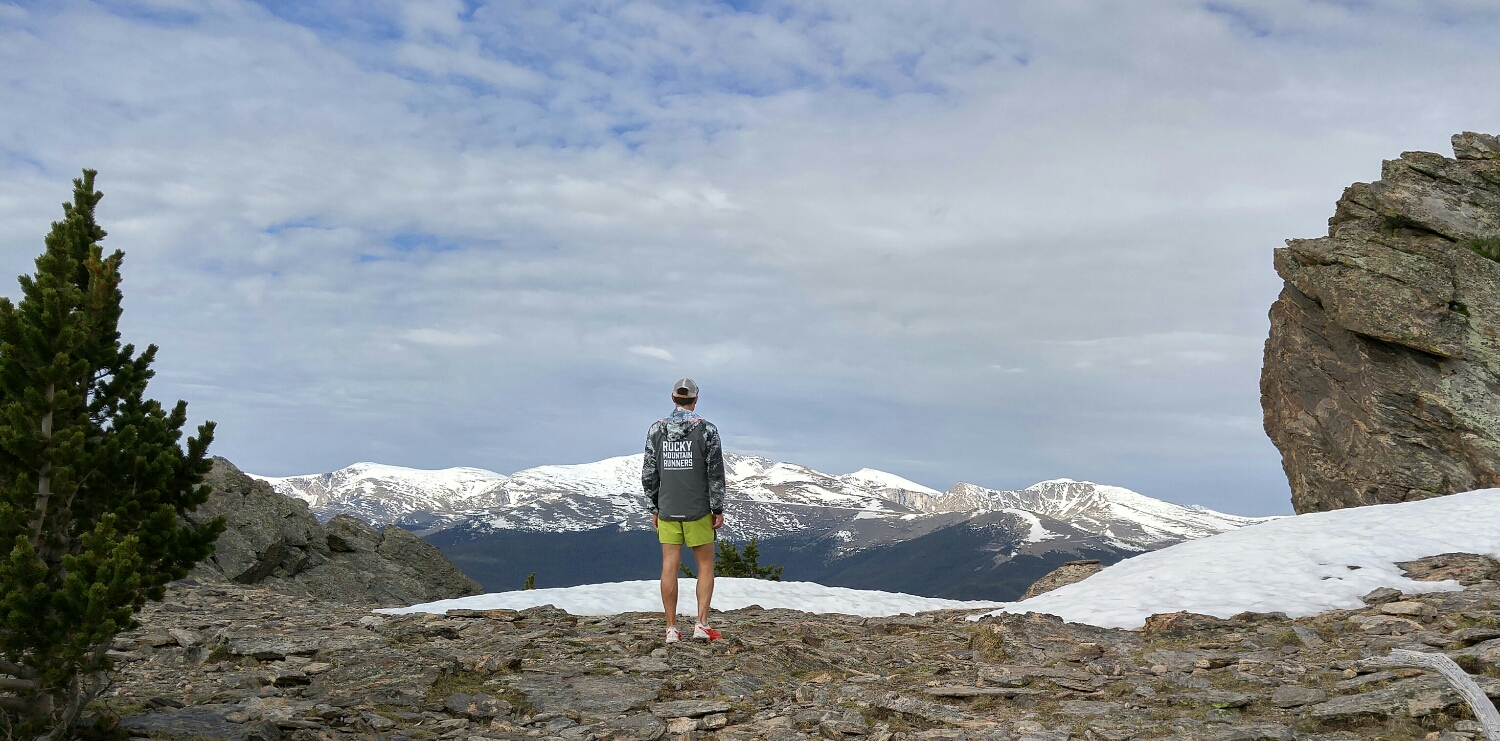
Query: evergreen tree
x: 93, y: 480
x: 731, y: 561
x: 683, y: 569
x: 530, y: 582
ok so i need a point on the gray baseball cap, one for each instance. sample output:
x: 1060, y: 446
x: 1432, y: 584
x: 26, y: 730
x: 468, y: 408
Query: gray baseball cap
x: 685, y: 389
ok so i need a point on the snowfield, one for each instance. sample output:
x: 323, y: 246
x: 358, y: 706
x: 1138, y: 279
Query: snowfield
x: 1299, y: 565
x: 729, y: 594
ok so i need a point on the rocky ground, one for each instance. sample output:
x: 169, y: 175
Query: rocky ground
x: 240, y: 662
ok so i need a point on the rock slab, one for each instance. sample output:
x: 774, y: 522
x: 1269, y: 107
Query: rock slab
x: 1381, y: 380
x: 202, y: 723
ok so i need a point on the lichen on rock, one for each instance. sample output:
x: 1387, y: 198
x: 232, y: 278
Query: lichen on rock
x: 1381, y: 380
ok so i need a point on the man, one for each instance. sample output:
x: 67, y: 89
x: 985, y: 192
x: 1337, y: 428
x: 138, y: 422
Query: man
x: 684, y: 478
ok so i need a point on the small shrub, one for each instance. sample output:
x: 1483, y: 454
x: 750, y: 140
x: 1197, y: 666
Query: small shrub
x: 743, y: 563
x: 1488, y: 247
x: 219, y: 653
x: 987, y: 642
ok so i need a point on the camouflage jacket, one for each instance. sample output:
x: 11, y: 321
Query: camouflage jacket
x: 675, y: 428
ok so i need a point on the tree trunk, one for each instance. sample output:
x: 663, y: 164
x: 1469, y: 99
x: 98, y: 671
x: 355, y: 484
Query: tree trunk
x: 16, y: 670
x: 82, y: 691
x: 1484, y: 710
x: 44, y: 475
x: 17, y: 685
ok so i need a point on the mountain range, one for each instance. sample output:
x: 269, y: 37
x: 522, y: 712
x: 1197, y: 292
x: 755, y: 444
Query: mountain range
x: 586, y: 523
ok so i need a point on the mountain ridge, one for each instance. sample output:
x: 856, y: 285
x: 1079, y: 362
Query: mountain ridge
x: 771, y: 498
x: 866, y: 529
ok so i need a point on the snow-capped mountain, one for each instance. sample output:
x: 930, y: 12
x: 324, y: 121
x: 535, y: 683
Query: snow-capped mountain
x: 868, y: 529
x: 1111, y: 511
x: 766, y: 499
x: 384, y: 494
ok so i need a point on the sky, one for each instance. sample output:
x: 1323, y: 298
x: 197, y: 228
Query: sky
x: 993, y: 242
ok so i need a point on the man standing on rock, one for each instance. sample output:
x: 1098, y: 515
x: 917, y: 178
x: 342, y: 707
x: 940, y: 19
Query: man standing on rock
x: 684, y: 478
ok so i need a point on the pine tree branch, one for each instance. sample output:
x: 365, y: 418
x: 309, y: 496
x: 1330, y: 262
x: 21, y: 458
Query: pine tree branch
x: 16, y: 705
x: 18, y: 685
x: 17, y: 670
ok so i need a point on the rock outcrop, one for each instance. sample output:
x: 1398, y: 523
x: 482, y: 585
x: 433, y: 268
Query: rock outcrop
x: 275, y: 541
x: 1382, y: 371
x: 1068, y: 573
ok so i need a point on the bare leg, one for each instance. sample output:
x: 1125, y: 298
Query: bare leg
x: 671, y: 555
x: 704, y: 554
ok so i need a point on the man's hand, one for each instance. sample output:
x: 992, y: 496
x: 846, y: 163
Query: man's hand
x: 654, y: 526
x: 718, y: 521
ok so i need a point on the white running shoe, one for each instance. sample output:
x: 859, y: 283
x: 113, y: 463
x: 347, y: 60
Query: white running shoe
x: 673, y: 634
x: 706, y: 633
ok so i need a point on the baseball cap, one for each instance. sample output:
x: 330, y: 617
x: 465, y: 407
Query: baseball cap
x: 685, y: 388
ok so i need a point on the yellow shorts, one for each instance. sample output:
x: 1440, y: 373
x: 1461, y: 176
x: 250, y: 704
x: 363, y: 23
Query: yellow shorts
x: 692, y: 533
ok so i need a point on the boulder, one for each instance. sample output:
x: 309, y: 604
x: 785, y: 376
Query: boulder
x: 275, y: 541
x: 1068, y: 573
x: 1381, y: 380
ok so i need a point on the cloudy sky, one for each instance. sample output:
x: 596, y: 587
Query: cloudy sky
x: 996, y: 242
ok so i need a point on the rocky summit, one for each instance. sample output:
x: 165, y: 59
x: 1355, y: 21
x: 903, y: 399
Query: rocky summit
x: 276, y: 541
x: 233, y: 661
x: 1382, y: 371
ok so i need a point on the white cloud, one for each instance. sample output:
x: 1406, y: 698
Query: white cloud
x: 836, y: 208
x: 646, y: 351
x: 447, y: 338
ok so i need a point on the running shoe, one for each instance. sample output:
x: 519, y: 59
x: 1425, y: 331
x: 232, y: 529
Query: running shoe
x: 673, y: 634
x: 703, y: 631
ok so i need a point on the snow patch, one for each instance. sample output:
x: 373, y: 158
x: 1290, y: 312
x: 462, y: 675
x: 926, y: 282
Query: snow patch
x: 1296, y: 565
x: 729, y: 594
x: 1037, y: 533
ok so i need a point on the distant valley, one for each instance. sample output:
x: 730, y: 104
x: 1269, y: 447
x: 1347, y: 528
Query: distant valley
x: 585, y: 523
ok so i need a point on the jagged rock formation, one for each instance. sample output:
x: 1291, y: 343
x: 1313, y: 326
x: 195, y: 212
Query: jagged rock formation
x: 236, y: 662
x: 1382, y: 371
x: 276, y: 541
x: 1068, y: 573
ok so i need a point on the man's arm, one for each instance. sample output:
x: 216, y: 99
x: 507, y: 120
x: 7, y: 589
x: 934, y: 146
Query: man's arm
x: 713, y: 459
x: 651, y: 469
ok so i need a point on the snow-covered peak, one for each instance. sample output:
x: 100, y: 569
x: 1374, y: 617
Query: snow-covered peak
x: 871, y: 478
x: 383, y: 493
x: 738, y: 466
x: 610, y: 477
x: 1111, y: 511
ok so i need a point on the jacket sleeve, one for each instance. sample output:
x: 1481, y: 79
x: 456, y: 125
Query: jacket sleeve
x: 650, y: 469
x: 713, y: 459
